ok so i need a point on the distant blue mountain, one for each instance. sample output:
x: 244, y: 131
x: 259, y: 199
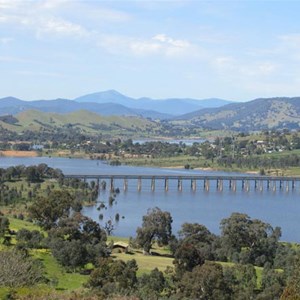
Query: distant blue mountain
x: 172, y: 106
x: 112, y: 103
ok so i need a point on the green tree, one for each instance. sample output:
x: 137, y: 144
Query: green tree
x: 205, y: 282
x: 252, y: 240
x: 114, y: 276
x: 4, y: 226
x: 156, y: 227
x: 193, y: 247
x: 48, y: 210
x: 150, y: 286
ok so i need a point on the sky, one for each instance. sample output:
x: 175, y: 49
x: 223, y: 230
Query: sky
x: 234, y: 50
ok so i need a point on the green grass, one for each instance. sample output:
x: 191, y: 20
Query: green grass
x: 56, y: 274
x: 16, y: 224
x: 146, y: 263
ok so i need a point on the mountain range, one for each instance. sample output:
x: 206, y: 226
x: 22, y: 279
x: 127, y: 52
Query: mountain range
x: 111, y: 103
x: 215, y: 114
x: 258, y: 114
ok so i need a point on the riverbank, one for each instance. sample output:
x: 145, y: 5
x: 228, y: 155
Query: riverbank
x: 176, y: 162
x: 14, y: 153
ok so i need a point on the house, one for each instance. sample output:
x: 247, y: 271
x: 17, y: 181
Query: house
x: 120, y: 247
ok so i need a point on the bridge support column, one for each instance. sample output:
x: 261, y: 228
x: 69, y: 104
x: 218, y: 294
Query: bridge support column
x: 293, y: 184
x: 153, y: 184
x: 230, y: 184
x: 139, y: 185
x: 255, y: 184
x: 179, y: 185
x: 261, y: 185
x: 221, y: 185
x: 268, y: 184
x: 287, y: 187
x: 166, y: 184
x: 247, y: 186
x: 280, y: 184
x: 111, y: 184
x: 234, y: 185
x: 274, y: 186
x: 193, y: 185
x: 206, y: 184
x: 125, y: 186
x: 243, y: 184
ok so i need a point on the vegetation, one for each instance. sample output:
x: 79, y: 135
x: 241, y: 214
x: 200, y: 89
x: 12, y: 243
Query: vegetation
x: 246, y: 261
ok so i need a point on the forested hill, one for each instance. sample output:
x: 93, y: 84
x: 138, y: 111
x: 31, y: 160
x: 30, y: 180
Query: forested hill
x: 254, y: 115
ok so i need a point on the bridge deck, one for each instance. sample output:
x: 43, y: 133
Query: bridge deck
x: 183, y: 177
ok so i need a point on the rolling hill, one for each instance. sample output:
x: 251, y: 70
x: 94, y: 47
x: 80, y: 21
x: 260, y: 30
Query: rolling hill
x: 11, y: 105
x: 86, y: 121
x: 258, y: 114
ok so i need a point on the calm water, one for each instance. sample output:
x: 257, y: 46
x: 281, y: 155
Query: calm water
x: 280, y: 208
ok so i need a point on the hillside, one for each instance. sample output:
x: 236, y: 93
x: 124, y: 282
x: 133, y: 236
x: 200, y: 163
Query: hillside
x: 111, y: 103
x: 86, y: 121
x: 254, y: 115
x: 14, y: 106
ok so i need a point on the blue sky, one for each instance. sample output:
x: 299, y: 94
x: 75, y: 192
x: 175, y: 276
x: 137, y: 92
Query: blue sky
x: 235, y: 50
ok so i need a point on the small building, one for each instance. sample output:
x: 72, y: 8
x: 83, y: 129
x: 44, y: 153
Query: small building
x: 120, y: 247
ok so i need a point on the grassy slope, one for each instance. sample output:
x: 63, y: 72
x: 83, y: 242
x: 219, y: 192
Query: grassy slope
x: 83, y: 120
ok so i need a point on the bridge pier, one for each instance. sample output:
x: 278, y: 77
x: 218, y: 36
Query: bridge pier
x: 193, y: 185
x: 206, y: 184
x: 280, y: 184
x: 153, y: 184
x: 179, y: 185
x: 234, y: 186
x: 219, y: 185
x: 125, y: 185
x: 139, y: 185
x: 287, y: 186
x: 111, y: 184
x: 247, y: 186
x: 274, y: 186
x: 261, y: 186
x: 166, y: 184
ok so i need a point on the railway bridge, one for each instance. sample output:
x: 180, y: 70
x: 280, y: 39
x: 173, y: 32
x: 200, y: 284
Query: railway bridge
x: 245, y: 182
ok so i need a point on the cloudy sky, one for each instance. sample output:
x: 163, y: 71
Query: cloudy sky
x: 235, y: 50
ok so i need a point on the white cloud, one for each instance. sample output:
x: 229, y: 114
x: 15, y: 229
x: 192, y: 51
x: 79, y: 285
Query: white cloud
x: 159, y: 44
x: 291, y: 39
x: 44, y: 74
x: 6, y: 40
x: 59, y: 27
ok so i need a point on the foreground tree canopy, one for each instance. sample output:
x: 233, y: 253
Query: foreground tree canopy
x: 156, y: 227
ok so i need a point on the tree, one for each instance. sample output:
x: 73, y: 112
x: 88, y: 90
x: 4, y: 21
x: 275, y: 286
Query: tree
x: 113, y: 276
x: 193, y: 248
x: 150, y: 286
x: 156, y: 227
x: 4, y: 226
x: 242, y: 280
x: 71, y: 254
x: 47, y: 211
x: 18, y: 270
x: 29, y: 239
x: 77, y: 240
x: 205, y: 282
x: 252, y: 240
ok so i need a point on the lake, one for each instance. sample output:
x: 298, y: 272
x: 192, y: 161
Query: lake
x: 280, y: 208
